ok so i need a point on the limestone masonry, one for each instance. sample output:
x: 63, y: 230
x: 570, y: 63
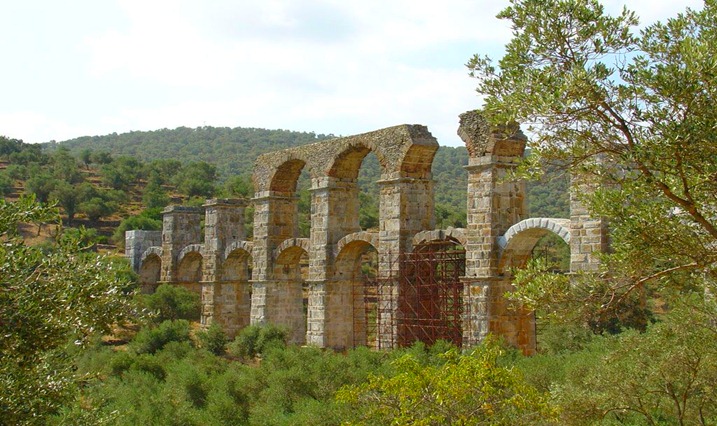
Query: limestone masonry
x: 261, y: 281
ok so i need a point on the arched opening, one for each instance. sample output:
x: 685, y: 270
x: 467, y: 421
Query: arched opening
x: 352, y: 298
x: 544, y: 239
x: 237, y: 266
x: 149, y: 273
x: 431, y: 293
x: 189, y: 271
x: 356, y: 203
x: 284, y: 221
x: 232, y: 294
x: 288, y: 305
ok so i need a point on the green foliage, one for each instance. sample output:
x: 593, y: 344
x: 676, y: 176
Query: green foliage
x: 172, y: 302
x: 154, y: 196
x: 41, y: 183
x: 466, y: 389
x: 666, y: 375
x: 46, y: 300
x: 196, y: 179
x: 257, y: 339
x: 64, y: 167
x: 630, y: 115
x: 66, y: 197
x: 239, y: 186
x: 213, y: 339
x: 147, y: 220
x: 86, y: 238
x: 151, y: 339
x: 121, y: 172
x: 561, y: 338
x: 6, y: 183
x: 97, y: 207
x: 9, y: 146
x: 101, y: 157
x: 577, y: 299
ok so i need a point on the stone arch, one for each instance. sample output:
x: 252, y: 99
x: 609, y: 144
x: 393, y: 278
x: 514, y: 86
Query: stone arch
x: 286, y: 303
x: 150, y: 269
x: 189, y: 264
x: 417, y: 161
x: 368, y: 237
x: 286, y: 175
x: 346, y: 163
x: 347, y: 317
x: 300, y: 243
x: 236, y: 265
x: 455, y: 235
x: 246, y: 246
x: 151, y: 251
x: 517, y: 244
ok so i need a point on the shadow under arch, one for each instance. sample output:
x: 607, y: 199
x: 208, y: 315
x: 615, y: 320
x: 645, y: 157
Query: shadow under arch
x: 232, y: 293
x: 189, y: 268
x: 286, y: 305
x: 149, y: 272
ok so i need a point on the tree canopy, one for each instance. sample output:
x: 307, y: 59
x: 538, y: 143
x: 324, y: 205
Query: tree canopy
x: 49, y: 299
x: 631, y: 113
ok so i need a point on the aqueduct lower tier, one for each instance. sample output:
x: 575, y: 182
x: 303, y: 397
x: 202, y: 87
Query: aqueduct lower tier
x: 430, y: 283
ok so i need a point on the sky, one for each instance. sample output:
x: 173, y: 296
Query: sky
x: 92, y: 67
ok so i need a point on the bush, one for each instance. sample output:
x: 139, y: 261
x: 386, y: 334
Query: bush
x: 255, y: 340
x: 214, y: 339
x: 171, y: 302
x: 150, y: 340
x: 148, y: 220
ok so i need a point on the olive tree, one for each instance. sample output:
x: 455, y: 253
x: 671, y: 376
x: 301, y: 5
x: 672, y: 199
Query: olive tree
x: 631, y: 113
x: 49, y: 299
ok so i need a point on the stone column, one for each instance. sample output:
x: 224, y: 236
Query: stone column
x: 222, y: 300
x: 275, y: 220
x: 493, y: 206
x: 181, y: 226
x: 406, y: 209
x: 589, y: 236
x: 334, y: 214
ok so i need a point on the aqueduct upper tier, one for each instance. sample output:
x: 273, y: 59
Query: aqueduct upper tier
x: 430, y: 283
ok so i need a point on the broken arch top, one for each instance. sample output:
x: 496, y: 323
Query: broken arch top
x: 404, y: 151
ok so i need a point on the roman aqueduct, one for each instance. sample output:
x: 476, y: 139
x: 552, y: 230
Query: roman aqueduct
x: 430, y: 283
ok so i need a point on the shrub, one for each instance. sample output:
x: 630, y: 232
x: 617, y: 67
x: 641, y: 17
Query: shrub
x: 255, y: 340
x: 171, y: 302
x: 150, y: 340
x: 214, y: 339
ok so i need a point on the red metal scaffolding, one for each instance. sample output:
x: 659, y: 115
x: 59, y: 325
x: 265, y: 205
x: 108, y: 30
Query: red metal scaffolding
x: 424, y: 303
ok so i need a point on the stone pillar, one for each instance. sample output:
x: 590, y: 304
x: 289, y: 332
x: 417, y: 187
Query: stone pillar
x: 222, y: 301
x: 589, y: 236
x: 181, y: 226
x: 406, y: 208
x: 493, y: 206
x: 275, y: 220
x: 136, y: 242
x: 334, y: 214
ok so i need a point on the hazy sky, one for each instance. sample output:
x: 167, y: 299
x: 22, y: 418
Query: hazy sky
x: 75, y: 68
